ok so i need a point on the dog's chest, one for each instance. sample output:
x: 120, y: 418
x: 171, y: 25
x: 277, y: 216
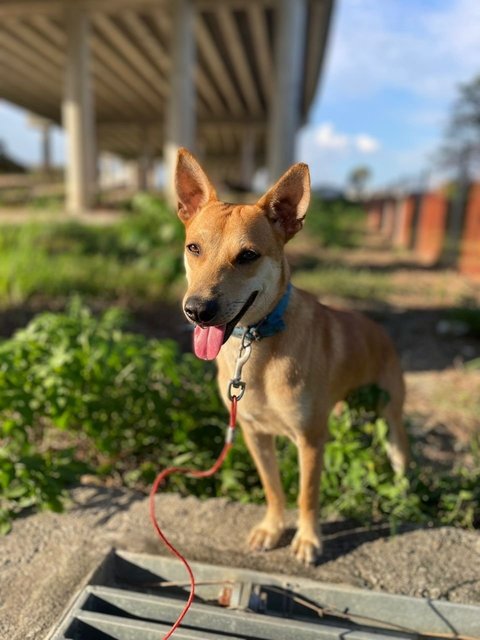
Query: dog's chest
x: 264, y: 416
x: 275, y: 399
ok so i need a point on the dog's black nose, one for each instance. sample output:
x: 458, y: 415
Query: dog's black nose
x: 200, y: 310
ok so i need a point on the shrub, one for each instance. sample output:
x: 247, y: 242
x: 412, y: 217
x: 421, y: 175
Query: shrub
x: 123, y: 404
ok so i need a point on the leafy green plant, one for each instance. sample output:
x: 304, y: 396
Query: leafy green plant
x: 125, y: 405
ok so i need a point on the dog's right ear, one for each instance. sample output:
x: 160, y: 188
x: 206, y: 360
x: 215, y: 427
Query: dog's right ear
x: 193, y: 187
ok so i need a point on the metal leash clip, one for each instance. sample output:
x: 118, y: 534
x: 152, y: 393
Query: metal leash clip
x: 243, y: 355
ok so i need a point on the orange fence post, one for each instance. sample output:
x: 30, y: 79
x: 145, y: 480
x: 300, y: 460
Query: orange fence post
x: 469, y: 262
x: 432, y: 221
x: 405, y: 222
x: 388, y: 218
x: 374, y: 215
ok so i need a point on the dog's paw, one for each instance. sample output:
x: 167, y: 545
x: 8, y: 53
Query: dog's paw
x: 306, y: 547
x: 264, y: 536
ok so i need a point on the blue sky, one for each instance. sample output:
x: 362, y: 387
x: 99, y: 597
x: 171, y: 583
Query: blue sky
x: 390, y: 76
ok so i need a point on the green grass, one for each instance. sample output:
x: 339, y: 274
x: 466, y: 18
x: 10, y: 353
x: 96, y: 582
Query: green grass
x: 345, y: 282
x: 336, y: 223
x: 139, y: 258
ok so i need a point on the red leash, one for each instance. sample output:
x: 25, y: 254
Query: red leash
x: 194, y: 474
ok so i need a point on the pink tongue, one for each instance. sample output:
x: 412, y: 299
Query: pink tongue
x: 208, y: 341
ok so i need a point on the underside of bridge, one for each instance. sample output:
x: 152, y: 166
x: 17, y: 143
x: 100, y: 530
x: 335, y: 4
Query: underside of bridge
x: 230, y: 79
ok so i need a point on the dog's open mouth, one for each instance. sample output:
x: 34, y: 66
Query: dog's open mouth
x: 207, y: 341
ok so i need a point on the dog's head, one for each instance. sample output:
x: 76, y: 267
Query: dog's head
x: 234, y: 257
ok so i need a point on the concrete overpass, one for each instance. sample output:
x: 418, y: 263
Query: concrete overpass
x: 231, y: 79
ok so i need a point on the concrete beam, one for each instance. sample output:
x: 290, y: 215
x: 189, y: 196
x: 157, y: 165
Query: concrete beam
x: 40, y: 45
x: 239, y: 60
x: 78, y: 115
x: 19, y: 8
x: 260, y: 40
x: 218, y: 67
x: 180, y: 121
x: 285, y: 106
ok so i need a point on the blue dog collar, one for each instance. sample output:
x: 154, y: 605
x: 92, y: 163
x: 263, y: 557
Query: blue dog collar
x: 271, y: 324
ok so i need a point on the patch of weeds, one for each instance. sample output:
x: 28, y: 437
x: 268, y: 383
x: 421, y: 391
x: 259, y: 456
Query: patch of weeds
x: 51, y: 203
x: 336, y: 223
x: 134, y: 404
x: 79, y: 393
x: 140, y: 257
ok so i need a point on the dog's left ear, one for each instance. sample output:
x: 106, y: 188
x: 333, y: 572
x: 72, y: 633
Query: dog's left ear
x: 192, y: 185
x: 286, y: 203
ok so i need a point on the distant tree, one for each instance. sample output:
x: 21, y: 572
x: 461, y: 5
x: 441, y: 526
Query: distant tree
x: 460, y: 154
x: 461, y: 147
x: 358, y: 178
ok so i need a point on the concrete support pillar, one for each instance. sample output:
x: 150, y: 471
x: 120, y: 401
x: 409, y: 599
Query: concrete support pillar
x: 44, y: 127
x: 180, y: 118
x: 46, y: 149
x: 145, y: 161
x: 78, y: 115
x: 247, y: 168
x: 285, y: 110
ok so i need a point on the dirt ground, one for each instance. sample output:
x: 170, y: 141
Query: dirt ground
x: 47, y: 556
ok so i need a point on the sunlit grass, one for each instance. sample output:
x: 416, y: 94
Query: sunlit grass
x: 345, y: 282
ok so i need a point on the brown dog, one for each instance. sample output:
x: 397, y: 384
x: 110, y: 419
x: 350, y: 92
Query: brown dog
x: 237, y: 273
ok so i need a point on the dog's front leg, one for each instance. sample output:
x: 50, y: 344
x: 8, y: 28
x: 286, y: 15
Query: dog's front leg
x: 306, y: 544
x: 262, y: 449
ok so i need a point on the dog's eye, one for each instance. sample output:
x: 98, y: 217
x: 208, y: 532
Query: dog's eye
x: 194, y: 248
x: 247, y: 255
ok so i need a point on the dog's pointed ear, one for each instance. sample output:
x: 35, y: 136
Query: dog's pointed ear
x: 193, y: 187
x: 286, y: 203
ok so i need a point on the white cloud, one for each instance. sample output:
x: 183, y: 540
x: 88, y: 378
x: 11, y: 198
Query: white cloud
x: 325, y: 137
x: 330, y: 153
x: 366, y: 144
x: 424, y: 48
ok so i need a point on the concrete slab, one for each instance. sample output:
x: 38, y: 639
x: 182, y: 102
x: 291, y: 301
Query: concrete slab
x: 45, y: 558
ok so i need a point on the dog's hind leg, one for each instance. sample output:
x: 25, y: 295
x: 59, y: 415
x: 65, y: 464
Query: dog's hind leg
x: 398, y: 445
x: 262, y: 449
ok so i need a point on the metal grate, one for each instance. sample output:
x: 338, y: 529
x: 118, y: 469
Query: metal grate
x: 138, y: 597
